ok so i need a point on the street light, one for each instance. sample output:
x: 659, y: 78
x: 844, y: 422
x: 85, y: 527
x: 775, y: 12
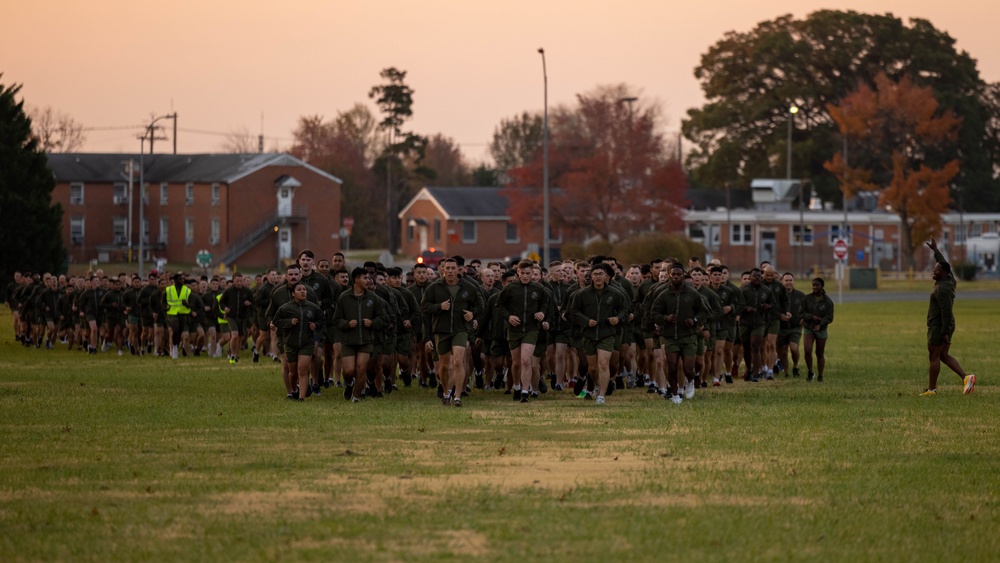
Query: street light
x: 142, y: 182
x: 545, y: 165
x: 791, y: 120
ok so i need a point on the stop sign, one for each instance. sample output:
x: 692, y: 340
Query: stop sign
x: 840, y: 249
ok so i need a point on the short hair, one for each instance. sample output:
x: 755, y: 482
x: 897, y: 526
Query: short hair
x: 820, y: 280
x: 788, y: 274
x: 394, y: 272
x: 357, y: 273
x: 946, y: 267
x: 458, y: 259
x: 446, y: 261
x: 419, y: 266
x: 292, y: 266
x: 308, y: 253
x: 606, y: 268
x: 525, y: 264
x: 507, y: 274
x: 475, y: 261
x: 341, y: 254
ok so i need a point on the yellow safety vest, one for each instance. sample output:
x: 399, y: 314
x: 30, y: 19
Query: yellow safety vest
x: 175, y: 305
x: 219, y: 311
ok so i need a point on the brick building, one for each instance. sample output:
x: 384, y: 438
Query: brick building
x: 252, y: 210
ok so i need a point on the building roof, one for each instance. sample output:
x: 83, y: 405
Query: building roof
x: 457, y: 203
x: 715, y: 198
x: 171, y: 168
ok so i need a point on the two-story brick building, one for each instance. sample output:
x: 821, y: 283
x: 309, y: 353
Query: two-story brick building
x: 252, y: 210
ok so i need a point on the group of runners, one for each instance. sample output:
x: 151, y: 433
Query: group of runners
x: 592, y: 326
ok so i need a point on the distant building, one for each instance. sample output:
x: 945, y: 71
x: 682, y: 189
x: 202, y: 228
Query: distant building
x: 254, y: 210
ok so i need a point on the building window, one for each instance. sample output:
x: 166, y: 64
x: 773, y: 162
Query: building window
x: 189, y: 194
x: 437, y: 230
x: 801, y: 235
x: 188, y: 230
x: 510, y: 234
x: 960, y: 233
x: 555, y: 235
x: 145, y: 194
x: 740, y: 234
x: 164, y: 191
x: 164, y: 230
x: 76, y: 228
x: 409, y: 232
x: 709, y: 235
x: 145, y: 231
x: 468, y: 231
x: 119, y: 227
x: 121, y: 194
x: 216, y: 195
x: 838, y: 231
x: 976, y: 230
x: 76, y: 194
x: 216, y: 229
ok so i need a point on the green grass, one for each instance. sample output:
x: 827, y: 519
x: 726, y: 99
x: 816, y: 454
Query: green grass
x: 145, y: 459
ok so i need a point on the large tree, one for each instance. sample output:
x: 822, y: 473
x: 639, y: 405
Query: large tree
x: 401, y: 162
x: 445, y: 162
x: 57, y: 132
x: 899, y: 134
x: 30, y: 226
x: 517, y: 141
x: 612, y: 171
x: 750, y: 79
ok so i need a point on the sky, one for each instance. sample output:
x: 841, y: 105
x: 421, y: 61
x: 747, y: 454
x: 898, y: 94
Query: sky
x: 232, y: 65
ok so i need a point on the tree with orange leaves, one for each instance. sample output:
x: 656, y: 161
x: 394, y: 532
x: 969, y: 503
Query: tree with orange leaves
x: 612, y: 172
x: 902, y: 146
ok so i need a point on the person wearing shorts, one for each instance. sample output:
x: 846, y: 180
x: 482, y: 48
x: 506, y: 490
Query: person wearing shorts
x: 358, y: 315
x: 522, y: 307
x: 679, y: 310
x: 597, y: 310
x: 817, y: 314
x: 299, y: 320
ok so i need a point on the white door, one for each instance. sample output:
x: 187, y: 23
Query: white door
x: 284, y: 243
x: 423, y: 237
x: 285, y: 202
x: 768, y: 246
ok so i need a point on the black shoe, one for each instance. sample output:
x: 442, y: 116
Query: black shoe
x: 810, y: 376
x: 557, y: 387
x: 309, y: 390
x: 777, y: 366
x: 328, y: 383
x: 276, y: 359
x: 479, y: 380
x: 619, y: 383
x: 407, y: 378
x: 755, y: 379
x: 378, y: 395
x: 611, y: 388
x: 317, y: 389
x: 440, y: 392
x: 506, y: 392
x: 292, y: 397
x: 465, y: 393
x: 651, y: 389
x: 542, y: 386
x: 795, y: 372
x: 819, y: 379
x: 348, y: 391
x: 579, y: 386
x: 729, y: 379
x: 524, y: 396
x: 422, y: 384
x: 432, y: 380
x: 552, y: 380
x: 704, y: 384
x: 256, y: 356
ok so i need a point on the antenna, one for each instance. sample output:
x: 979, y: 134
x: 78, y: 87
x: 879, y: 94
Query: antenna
x: 260, y: 138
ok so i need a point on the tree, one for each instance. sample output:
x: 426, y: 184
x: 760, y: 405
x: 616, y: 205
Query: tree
x: 751, y: 78
x: 445, y: 159
x: 517, y: 141
x: 899, y: 133
x: 613, y: 173
x: 402, y: 158
x: 241, y: 141
x: 30, y: 226
x: 57, y: 132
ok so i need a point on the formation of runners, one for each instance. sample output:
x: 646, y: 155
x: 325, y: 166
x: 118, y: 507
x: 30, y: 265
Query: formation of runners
x: 590, y: 326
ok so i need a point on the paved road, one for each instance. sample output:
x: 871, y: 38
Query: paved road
x: 871, y: 296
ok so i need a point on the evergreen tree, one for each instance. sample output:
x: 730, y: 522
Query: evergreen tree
x: 30, y: 226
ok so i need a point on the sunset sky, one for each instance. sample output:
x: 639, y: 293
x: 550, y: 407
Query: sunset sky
x: 221, y: 64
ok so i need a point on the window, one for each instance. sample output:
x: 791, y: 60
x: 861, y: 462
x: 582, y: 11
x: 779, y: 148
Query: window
x: 801, y: 235
x: 740, y: 234
x: 188, y: 230
x: 838, y: 231
x: 189, y: 194
x: 119, y: 227
x: 437, y: 230
x: 510, y: 234
x: 409, y: 232
x: 76, y: 194
x: 145, y: 231
x: 976, y: 229
x: 216, y: 195
x: 960, y: 234
x: 555, y: 235
x: 76, y: 228
x: 216, y: 228
x: 164, y: 191
x: 164, y: 230
x: 468, y: 231
x: 709, y: 235
x: 121, y: 194
x: 145, y: 194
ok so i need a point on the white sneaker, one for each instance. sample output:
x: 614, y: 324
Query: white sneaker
x: 599, y: 400
x: 173, y: 352
x: 689, y: 390
x: 120, y: 352
x: 676, y: 399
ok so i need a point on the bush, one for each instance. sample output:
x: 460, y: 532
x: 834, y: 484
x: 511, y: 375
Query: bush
x: 642, y: 248
x: 966, y: 272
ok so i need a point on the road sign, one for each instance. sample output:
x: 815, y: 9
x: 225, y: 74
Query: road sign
x: 204, y: 258
x: 840, y: 249
x: 348, y: 223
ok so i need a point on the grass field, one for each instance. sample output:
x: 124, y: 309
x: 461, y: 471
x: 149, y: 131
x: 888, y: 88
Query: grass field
x: 107, y: 458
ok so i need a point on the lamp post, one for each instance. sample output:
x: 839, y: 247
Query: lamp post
x: 142, y: 182
x: 792, y: 110
x: 791, y: 121
x: 545, y: 164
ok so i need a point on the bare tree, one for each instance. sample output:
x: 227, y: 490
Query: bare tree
x: 55, y: 131
x: 240, y: 141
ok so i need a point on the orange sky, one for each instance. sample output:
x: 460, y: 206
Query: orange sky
x: 222, y: 63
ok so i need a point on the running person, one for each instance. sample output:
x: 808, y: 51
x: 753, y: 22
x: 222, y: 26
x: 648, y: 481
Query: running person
x: 817, y: 313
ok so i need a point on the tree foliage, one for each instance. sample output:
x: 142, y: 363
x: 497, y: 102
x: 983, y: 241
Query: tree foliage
x: 751, y: 78
x: 517, y: 141
x: 240, y: 141
x: 57, y: 132
x: 444, y: 161
x: 30, y: 226
x: 899, y: 133
x: 611, y: 170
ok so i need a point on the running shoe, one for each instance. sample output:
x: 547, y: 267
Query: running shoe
x: 929, y: 393
x: 970, y: 384
x: 676, y: 399
x: 599, y: 400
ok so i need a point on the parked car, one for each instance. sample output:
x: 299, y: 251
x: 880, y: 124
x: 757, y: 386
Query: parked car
x: 430, y: 257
